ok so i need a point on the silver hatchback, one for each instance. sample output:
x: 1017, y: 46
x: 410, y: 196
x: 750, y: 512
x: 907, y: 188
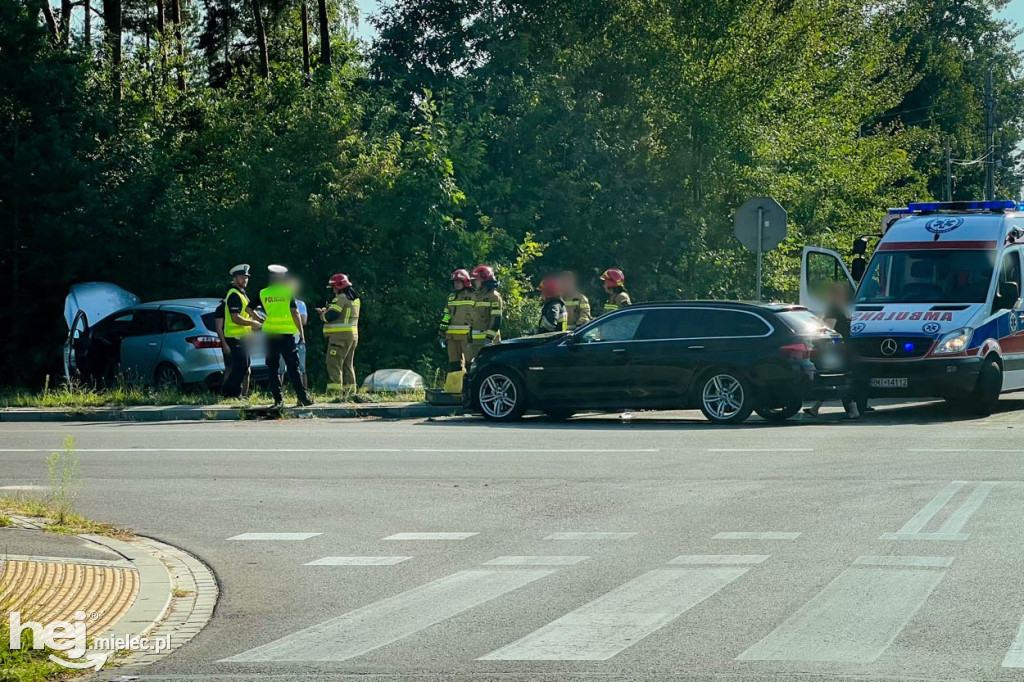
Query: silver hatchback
x: 167, y: 344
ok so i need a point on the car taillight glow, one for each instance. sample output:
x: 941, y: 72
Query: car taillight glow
x: 204, y: 341
x: 798, y: 351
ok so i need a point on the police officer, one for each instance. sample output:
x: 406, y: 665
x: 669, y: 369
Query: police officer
x: 577, y: 305
x: 553, y: 314
x: 487, y: 310
x: 281, y: 326
x: 341, y: 327
x: 457, y: 324
x: 615, y: 287
x: 239, y: 323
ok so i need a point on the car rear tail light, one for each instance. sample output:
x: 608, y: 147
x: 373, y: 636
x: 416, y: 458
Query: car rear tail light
x: 798, y: 351
x: 204, y: 341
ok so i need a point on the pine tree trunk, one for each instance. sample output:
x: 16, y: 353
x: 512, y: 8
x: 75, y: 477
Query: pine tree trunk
x: 161, y: 28
x: 305, y: 38
x: 112, y: 17
x: 261, y: 39
x: 325, y: 35
x: 176, y: 13
x: 51, y: 22
x: 87, y: 22
x: 65, y: 22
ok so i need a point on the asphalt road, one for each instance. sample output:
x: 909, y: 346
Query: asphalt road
x: 601, y: 549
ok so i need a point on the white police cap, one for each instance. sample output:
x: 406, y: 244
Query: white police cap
x: 242, y: 269
x: 277, y: 270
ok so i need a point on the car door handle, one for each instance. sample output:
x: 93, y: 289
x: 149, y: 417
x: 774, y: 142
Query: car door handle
x: 695, y: 348
x: 618, y: 350
x: 151, y: 343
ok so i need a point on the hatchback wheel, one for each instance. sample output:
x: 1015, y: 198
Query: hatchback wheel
x: 168, y: 378
x: 726, y: 397
x: 501, y: 396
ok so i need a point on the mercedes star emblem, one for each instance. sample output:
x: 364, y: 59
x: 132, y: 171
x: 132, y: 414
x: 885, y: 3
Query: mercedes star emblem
x: 888, y: 346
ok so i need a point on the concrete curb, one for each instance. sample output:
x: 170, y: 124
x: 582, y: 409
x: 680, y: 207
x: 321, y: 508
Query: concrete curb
x: 177, y: 595
x: 220, y: 412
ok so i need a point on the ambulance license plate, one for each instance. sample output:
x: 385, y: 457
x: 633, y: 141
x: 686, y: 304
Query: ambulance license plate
x: 888, y: 382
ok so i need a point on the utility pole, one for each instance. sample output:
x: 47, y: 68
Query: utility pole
x: 947, y: 191
x: 990, y: 149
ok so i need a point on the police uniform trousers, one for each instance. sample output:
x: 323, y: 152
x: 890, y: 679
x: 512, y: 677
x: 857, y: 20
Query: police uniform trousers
x: 341, y: 368
x: 238, y: 360
x: 282, y: 347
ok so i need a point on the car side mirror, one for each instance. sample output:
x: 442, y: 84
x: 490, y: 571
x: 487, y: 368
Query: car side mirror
x: 571, y: 339
x: 1007, y: 296
x: 859, y: 266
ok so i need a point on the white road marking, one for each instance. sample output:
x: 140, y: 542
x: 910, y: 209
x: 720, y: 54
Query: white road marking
x: 551, y: 451
x: 725, y: 559
x: 853, y: 620
x: 955, y: 450
x: 389, y: 620
x: 1015, y: 656
x: 760, y: 450
x: 936, y: 537
x: 922, y: 561
x: 621, y: 618
x: 765, y: 535
x: 429, y: 536
x: 274, y: 536
x: 590, y: 536
x: 23, y: 487
x: 536, y: 560
x: 950, y: 530
x: 359, y: 561
x: 921, y: 518
x: 329, y: 450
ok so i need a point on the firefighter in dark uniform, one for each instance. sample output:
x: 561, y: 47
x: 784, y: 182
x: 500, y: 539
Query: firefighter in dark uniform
x: 615, y: 287
x: 239, y: 323
x: 553, y: 314
x: 488, y: 309
x: 457, y: 324
x: 577, y: 305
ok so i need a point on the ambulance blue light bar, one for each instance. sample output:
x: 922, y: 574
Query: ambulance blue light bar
x: 933, y: 206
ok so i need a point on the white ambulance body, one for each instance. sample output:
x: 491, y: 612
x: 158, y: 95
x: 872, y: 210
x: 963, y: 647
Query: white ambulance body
x: 938, y: 312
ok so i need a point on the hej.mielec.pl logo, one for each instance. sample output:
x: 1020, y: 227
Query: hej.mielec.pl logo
x: 70, y: 639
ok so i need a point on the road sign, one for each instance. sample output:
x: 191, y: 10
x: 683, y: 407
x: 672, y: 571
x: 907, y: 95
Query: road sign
x: 760, y: 225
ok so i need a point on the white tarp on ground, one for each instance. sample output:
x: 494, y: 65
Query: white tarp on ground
x: 393, y: 380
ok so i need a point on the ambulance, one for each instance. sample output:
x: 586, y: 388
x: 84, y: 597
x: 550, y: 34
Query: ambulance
x: 937, y: 312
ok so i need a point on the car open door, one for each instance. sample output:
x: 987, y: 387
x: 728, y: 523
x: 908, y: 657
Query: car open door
x: 819, y: 270
x: 85, y: 305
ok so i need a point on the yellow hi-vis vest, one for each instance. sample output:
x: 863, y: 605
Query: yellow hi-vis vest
x: 232, y: 330
x: 347, y: 325
x: 277, y: 303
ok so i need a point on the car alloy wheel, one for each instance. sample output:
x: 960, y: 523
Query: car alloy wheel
x: 726, y: 398
x: 168, y: 378
x: 499, y: 396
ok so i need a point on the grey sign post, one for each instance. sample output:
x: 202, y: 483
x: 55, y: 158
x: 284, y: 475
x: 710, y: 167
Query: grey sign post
x: 760, y: 225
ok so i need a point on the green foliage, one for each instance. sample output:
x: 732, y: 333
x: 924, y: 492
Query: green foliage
x: 62, y: 470
x: 532, y: 136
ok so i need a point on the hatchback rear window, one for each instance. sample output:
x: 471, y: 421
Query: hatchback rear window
x: 209, y: 321
x: 803, y: 322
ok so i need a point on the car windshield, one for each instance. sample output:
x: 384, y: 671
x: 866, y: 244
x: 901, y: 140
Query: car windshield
x: 927, y: 276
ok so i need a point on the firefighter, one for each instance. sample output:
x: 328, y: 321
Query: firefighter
x: 577, y: 305
x: 553, y: 315
x: 239, y: 323
x: 341, y: 327
x: 281, y: 326
x: 615, y: 287
x: 457, y: 324
x: 488, y: 308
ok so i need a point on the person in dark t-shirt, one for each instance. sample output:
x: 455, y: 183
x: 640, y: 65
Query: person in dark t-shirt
x: 837, y: 316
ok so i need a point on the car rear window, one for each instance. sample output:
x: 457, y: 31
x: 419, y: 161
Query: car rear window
x: 209, y: 321
x: 179, y: 322
x: 726, y: 323
x: 803, y: 321
x: 672, y: 323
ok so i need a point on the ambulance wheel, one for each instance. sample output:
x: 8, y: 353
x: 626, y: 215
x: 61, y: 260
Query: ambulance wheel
x: 725, y: 397
x: 501, y: 396
x: 983, y: 399
x: 780, y: 414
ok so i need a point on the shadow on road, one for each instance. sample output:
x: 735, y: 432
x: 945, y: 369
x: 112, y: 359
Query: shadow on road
x: 887, y: 413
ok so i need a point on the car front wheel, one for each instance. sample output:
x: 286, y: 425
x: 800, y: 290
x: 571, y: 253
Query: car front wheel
x: 726, y: 397
x: 501, y: 396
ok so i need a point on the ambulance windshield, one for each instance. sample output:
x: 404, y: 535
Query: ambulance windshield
x: 927, y: 276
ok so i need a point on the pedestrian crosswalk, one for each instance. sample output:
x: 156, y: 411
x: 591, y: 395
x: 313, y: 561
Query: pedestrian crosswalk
x: 851, y: 617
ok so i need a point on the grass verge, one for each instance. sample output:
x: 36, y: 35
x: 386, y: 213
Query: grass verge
x: 45, y: 512
x: 74, y: 397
